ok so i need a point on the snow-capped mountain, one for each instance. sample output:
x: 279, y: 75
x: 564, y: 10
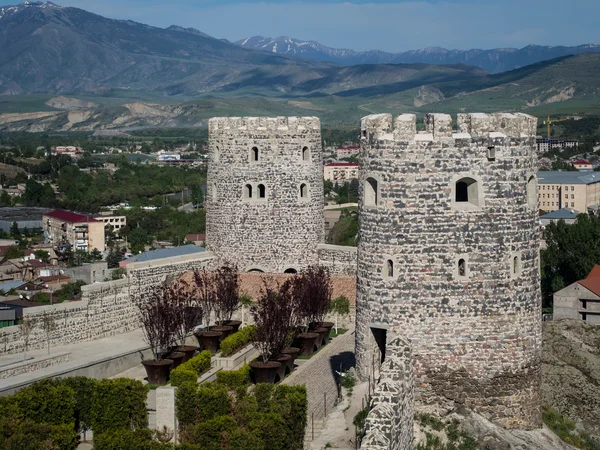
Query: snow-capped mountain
x: 6, y: 11
x: 493, y: 60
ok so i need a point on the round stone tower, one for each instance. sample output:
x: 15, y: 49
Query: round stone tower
x: 264, y: 200
x: 448, y: 256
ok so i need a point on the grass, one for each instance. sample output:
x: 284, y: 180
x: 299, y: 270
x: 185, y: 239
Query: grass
x: 457, y: 439
x: 333, y: 334
x: 565, y: 429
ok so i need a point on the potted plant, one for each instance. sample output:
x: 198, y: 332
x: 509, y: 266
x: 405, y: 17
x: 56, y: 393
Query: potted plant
x: 227, y: 286
x: 273, y: 318
x: 312, y: 295
x: 187, y: 315
x: 205, y: 296
x: 158, y: 327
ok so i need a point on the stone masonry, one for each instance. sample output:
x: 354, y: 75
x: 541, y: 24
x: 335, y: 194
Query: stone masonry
x: 449, y: 254
x: 389, y: 425
x: 264, y: 205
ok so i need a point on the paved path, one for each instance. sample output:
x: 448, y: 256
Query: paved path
x: 99, y: 359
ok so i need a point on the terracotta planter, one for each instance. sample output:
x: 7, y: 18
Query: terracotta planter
x: 177, y: 358
x: 264, y: 372
x: 235, y: 324
x: 306, y: 343
x: 209, y: 340
x: 284, y: 368
x: 314, y: 325
x: 225, y: 330
x: 157, y: 371
x: 323, y: 337
x: 188, y: 350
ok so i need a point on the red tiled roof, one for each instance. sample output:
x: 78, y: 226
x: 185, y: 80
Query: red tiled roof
x: 582, y: 161
x: 193, y: 237
x: 51, y: 278
x: 68, y: 216
x: 592, y: 282
x: 349, y: 147
x: 36, y: 263
x: 345, y: 164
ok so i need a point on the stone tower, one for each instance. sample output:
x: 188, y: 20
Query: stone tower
x: 264, y: 201
x: 448, y: 256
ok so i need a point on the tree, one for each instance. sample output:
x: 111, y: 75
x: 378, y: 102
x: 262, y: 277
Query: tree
x: 42, y: 255
x: 13, y: 252
x: 96, y: 255
x: 26, y: 327
x: 339, y: 306
x: 158, y: 323
x: 204, y: 290
x: 5, y: 199
x: 37, y: 194
x: 185, y: 309
x: 48, y: 325
x: 312, y: 294
x: 227, y: 292
x: 113, y: 258
x: 138, y: 238
x: 14, y: 230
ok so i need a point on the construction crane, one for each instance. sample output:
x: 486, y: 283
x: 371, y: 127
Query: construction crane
x: 551, y: 121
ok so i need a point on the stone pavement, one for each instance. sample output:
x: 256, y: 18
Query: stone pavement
x: 319, y: 375
x: 101, y: 358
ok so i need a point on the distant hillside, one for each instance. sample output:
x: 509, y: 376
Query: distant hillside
x: 493, y: 60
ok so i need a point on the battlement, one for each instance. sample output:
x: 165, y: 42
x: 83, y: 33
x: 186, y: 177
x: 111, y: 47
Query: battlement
x: 280, y: 123
x: 439, y: 126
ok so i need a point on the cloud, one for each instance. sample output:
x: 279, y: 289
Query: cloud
x: 393, y: 27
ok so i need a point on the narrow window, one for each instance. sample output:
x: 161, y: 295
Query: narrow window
x: 390, y: 268
x: 262, y: 191
x: 214, y: 192
x: 515, y: 265
x: 532, y: 201
x: 305, y: 154
x: 462, y: 268
x: 216, y: 154
x: 491, y: 153
x: 248, y: 191
x: 466, y: 190
x: 303, y: 191
x: 370, y: 192
x: 254, y: 154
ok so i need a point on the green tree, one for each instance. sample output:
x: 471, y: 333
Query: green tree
x: 138, y: 238
x: 42, y: 255
x: 14, y: 230
x: 113, y: 258
x: 96, y: 255
x: 5, y: 199
x: 13, y: 252
x: 37, y: 194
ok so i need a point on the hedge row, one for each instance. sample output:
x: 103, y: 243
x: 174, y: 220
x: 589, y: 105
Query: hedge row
x: 54, y: 411
x: 271, y: 417
x: 190, y: 370
x: 237, y: 340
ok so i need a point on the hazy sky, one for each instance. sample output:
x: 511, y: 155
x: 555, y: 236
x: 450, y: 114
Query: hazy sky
x: 363, y: 25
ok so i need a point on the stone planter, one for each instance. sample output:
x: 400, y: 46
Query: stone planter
x: 209, y: 340
x: 225, y: 331
x: 293, y: 352
x: 306, y: 343
x: 323, y: 337
x: 157, y: 371
x: 188, y: 350
x: 283, y: 359
x: 264, y: 372
x: 235, y: 324
x: 177, y: 357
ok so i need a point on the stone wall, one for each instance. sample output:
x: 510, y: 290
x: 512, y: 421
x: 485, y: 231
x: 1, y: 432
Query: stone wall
x: 30, y: 365
x: 106, y: 309
x: 389, y: 425
x: 338, y: 259
x: 281, y: 230
x: 449, y: 253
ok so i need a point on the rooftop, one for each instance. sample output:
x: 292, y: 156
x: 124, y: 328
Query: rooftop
x: 563, y: 213
x: 8, y: 285
x: 71, y: 217
x: 559, y: 177
x: 18, y: 213
x: 165, y: 253
x: 592, y: 282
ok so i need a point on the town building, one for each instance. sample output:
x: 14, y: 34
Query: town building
x: 574, y: 190
x: 582, y: 164
x: 196, y: 239
x: 163, y: 253
x: 544, y: 145
x: 565, y: 214
x: 347, y: 151
x: 117, y: 222
x: 81, y: 232
x: 25, y: 217
x: 340, y: 171
x: 580, y: 300
x: 73, y: 152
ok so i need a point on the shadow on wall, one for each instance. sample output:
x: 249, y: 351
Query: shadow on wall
x: 341, y: 363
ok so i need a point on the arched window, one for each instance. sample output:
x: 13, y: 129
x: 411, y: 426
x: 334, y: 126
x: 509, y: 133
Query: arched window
x: 305, y: 154
x: 248, y: 191
x: 466, y: 190
x: 515, y: 265
x: 370, y: 192
x: 290, y: 270
x: 254, y: 154
x: 262, y: 191
x: 515, y: 268
x: 256, y: 271
x: 462, y: 268
x: 532, y: 195
x: 390, y: 268
x: 303, y: 190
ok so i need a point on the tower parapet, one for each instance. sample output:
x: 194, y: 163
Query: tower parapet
x: 449, y: 253
x: 264, y: 202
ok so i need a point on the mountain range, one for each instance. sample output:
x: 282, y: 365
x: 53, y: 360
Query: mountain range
x: 63, y: 68
x: 493, y: 60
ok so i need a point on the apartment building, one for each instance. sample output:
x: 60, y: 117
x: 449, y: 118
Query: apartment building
x: 82, y: 232
x: 573, y: 190
x: 340, y: 172
x: 544, y: 145
x: 117, y: 222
